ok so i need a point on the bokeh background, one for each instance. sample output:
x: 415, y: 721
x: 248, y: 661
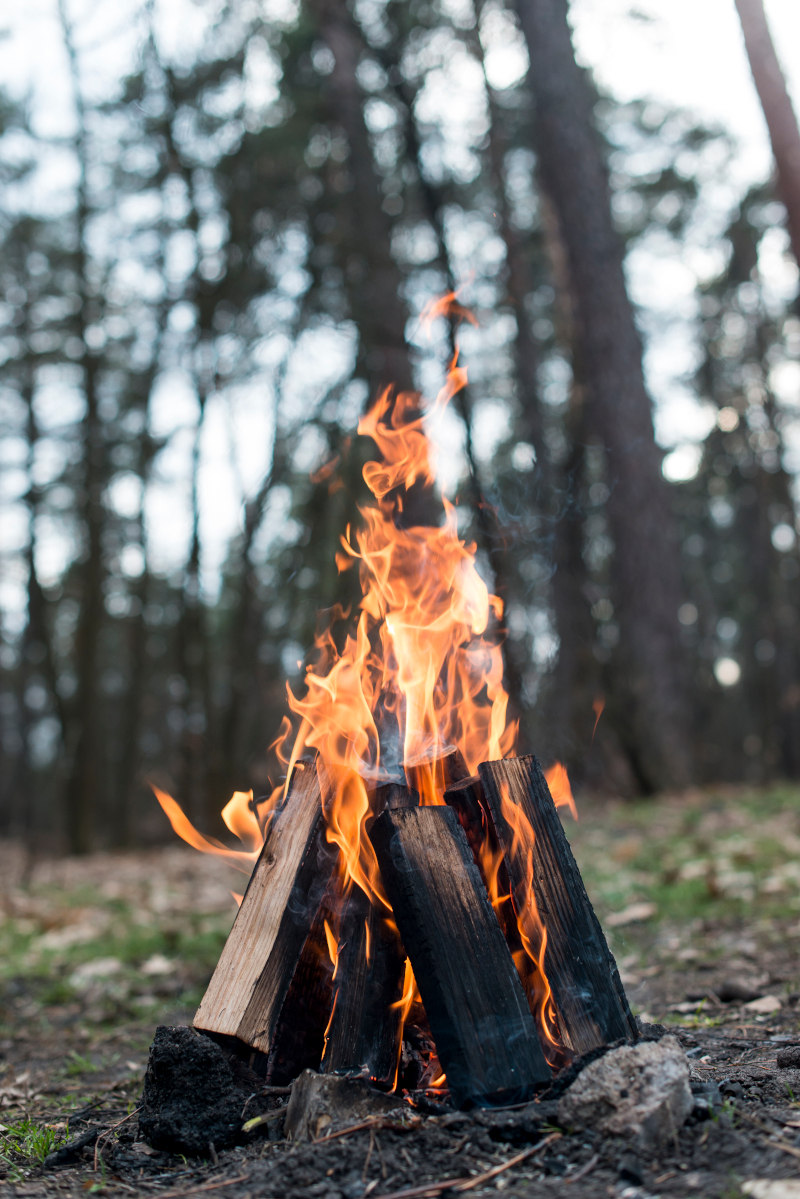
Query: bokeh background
x: 220, y: 224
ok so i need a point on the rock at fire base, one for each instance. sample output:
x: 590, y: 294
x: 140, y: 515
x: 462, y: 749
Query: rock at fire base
x: 639, y: 1092
x: 319, y: 1102
x: 194, y: 1094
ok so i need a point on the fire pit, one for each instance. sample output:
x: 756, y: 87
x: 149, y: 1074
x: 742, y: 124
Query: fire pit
x: 414, y: 915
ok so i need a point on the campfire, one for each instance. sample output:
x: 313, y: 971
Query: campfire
x: 414, y: 914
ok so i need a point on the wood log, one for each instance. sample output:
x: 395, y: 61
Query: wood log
x: 587, y: 991
x: 299, y: 1037
x: 250, y: 983
x: 441, y: 773
x: 484, y: 1032
x: 365, y: 1025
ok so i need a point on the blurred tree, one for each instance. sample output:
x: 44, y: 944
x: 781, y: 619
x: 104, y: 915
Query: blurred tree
x: 778, y: 111
x: 649, y: 693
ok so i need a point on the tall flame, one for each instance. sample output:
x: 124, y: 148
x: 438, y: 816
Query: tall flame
x: 420, y: 675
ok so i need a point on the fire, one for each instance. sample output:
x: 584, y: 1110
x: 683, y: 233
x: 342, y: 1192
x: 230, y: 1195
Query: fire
x: 420, y: 674
x: 558, y: 782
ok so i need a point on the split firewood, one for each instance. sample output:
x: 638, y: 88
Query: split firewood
x: 250, y: 983
x: 484, y: 1031
x: 366, y: 1022
x: 589, y: 998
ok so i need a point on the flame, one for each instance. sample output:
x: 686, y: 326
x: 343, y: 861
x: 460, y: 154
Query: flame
x: 530, y: 960
x: 558, y: 782
x: 417, y: 674
x: 597, y: 707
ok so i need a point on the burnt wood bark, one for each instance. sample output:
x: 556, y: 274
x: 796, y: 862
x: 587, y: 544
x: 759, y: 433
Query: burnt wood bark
x: 587, y: 991
x: 365, y: 1024
x: 299, y: 1037
x: 286, y: 888
x: 651, y: 700
x: 484, y: 1032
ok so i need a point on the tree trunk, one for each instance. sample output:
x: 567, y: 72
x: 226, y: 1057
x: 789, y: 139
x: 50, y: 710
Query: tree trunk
x: 380, y: 314
x: 85, y: 782
x: 646, y: 568
x: 778, y: 111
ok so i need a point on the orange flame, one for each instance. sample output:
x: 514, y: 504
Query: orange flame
x: 597, y: 707
x: 558, y: 782
x: 530, y: 962
x: 420, y: 674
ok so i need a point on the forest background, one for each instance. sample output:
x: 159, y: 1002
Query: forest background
x: 220, y: 226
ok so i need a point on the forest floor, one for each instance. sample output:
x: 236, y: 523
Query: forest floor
x: 693, y: 891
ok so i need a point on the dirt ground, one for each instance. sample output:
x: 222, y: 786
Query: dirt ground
x: 695, y: 892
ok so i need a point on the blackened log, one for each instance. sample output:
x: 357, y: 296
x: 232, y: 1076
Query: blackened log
x: 440, y: 773
x: 468, y: 801
x: 393, y: 795
x: 587, y: 991
x: 249, y: 985
x: 484, y: 1032
x: 299, y: 1037
x: 365, y: 1025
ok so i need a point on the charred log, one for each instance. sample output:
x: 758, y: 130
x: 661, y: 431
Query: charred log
x: 589, y: 997
x: 484, y: 1032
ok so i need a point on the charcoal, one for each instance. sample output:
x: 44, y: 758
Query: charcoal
x: 194, y: 1095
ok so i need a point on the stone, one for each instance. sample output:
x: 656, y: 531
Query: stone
x: 734, y: 991
x: 195, y: 1094
x: 772, y: 1188
x: 764, y: 1006
x: 320, y: 1102
x: 639, y: 1092
x: 789, y: 1057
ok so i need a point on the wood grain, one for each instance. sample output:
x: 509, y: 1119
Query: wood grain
x: 286, y: 887
x: 484, y: 1032
x: 587, y: 991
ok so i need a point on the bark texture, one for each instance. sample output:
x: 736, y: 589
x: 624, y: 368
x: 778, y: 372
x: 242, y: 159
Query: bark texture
x: 778, y: 111
x: 646, y: 569
x: 382, y: 314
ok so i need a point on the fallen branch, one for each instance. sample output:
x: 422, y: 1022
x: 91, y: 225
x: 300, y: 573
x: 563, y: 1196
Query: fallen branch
x: 432, y: 1189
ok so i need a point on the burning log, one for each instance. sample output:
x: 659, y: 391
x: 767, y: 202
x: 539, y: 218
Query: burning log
x: 590, y: 1002
x: 299, y: 1036
x: 366, y: 1022
x: 250, y: 983
x: 484, y: 1032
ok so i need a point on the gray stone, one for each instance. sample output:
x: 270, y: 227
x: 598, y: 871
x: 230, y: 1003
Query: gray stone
x: 638, y: 1092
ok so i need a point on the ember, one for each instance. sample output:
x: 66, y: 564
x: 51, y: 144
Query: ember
x: 414, y: 912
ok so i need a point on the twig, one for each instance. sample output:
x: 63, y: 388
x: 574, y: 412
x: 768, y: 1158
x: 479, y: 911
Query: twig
x: 104, y: 1135
x: 267, y: 1118
x: 779, y: 1144
x: 369, y: 1155
x: 206, y: 1186
x: 584, y: 1170
x: 372, y: 1122
x: 432, y: 1189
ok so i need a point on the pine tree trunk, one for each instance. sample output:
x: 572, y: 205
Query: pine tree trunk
x: 381, y: 314
x: 778, y: 111
x: 646, y: 568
